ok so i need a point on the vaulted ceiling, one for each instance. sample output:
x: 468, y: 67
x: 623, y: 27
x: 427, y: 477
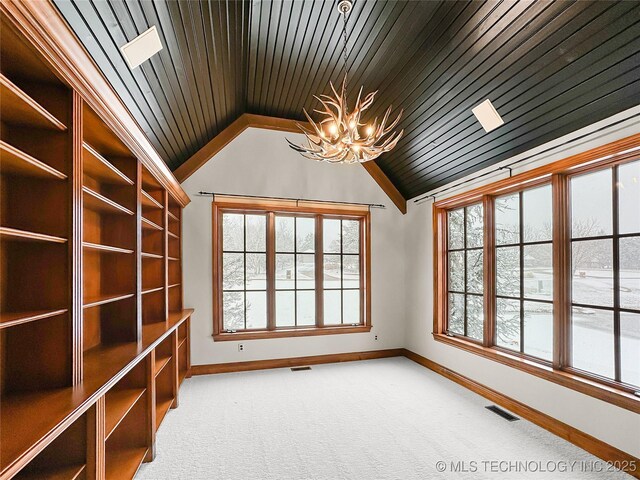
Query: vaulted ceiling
x: 548, y: 67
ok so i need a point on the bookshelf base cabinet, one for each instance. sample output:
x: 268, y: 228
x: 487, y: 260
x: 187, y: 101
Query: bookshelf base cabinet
x: 94, y: 337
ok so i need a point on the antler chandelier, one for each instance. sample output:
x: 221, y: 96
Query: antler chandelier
x: 341, y: 137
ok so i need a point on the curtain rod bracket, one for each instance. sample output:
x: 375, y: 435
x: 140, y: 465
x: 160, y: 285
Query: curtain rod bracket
x: 507, y: 167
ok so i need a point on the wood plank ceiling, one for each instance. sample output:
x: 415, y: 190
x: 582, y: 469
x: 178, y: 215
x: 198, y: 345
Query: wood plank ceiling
x: 548, y: 67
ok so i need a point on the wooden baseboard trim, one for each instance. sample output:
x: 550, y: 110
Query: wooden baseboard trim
x: 293, y: 362
x: 600, y: 449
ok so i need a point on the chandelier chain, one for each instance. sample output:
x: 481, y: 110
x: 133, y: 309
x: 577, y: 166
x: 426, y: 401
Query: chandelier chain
x: 343, y: 137
x: 344, y: 51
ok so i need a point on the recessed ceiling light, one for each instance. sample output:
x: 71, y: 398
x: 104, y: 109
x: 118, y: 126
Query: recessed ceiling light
x: 488, y: 116
x: 142, y: 48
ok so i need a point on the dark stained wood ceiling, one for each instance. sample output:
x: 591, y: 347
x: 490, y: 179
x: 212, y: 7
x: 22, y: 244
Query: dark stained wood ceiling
x: 549, y: 67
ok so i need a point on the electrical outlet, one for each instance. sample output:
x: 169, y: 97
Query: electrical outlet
x: 241, y: 347
x: 375, y: 338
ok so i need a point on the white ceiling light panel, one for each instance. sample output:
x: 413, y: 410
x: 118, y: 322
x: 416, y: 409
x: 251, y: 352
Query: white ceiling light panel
x: 488, y: 116
x: 142, y: 48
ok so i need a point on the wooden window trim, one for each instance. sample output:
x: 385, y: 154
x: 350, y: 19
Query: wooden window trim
x: 319, y: 211
x: 558, y: 370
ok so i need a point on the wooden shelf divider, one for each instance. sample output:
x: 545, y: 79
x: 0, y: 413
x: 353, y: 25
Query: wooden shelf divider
x: 162, y: 408
x: 100, y: 203
x: 149, y: 225
x: 148, y: 201
x: 18, y: 108
x: 160, y: 364
x: 105, y: 248
x: 151, y: 290
x: 9, y: 319
x: 71, y: 472
x: 100, y: 168
x: 17, y: 162
x: 151, y: 255
x: 119, y: 403
x: 23, y: 235
x: 103, y: 300
x: 124, y: 463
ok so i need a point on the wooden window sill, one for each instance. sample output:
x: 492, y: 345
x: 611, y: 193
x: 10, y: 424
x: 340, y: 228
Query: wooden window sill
x: 609, y: 394
x: 291, y: 332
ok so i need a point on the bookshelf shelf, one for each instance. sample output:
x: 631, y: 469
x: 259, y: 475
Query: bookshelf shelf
x: 20, y: 109
x: 161, y: 363
x: 124, y: 463
x: 149, y: 225
x: 119, y: 403
x: 151, y: 255
x: 104, y: 299
x: 70, y: 472
x: 100, y: 168
x: 17, y: 162
x: 94, y: 201
x: 148, y: 201
x: 105, y: 248
x: 14, y: 234
x: 152, y: 290
x: 9, y: 319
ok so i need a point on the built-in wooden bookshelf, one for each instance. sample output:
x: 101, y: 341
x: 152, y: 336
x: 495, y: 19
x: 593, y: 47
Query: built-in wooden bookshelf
x: 93, y: 333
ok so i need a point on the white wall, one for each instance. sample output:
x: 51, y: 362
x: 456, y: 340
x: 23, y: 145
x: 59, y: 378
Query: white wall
x: 612, y: 424
x: 259, y: 162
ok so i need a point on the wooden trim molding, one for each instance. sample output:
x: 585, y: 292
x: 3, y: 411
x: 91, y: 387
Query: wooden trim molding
x: 581, y: 384
x: 290, y: 332
x: 249, y: 120
x: 43, y: 25
x: 597, y: 447
x: 318, y: 211
x: 294, y: 361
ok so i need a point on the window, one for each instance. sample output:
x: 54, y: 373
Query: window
x: 286, y: 270
x: 466, y: 271
x: 541, y: 271
x: 524, y: 272
x: 244, y: 271
x: 605, y: 272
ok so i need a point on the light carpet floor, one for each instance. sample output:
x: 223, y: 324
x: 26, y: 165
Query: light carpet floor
x: 377, y: 419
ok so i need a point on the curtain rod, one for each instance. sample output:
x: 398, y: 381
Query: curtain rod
x: 509, y: 166
x: 370, y: 205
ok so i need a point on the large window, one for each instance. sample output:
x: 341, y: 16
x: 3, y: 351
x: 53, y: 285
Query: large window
x: 541, y: 271
x: 285, y: 270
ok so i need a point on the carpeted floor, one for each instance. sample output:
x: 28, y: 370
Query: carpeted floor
x: 377, y: 419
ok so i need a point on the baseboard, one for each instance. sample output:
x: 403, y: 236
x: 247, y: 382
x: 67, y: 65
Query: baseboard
x: 293, y: 361
x: 600, y: 449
